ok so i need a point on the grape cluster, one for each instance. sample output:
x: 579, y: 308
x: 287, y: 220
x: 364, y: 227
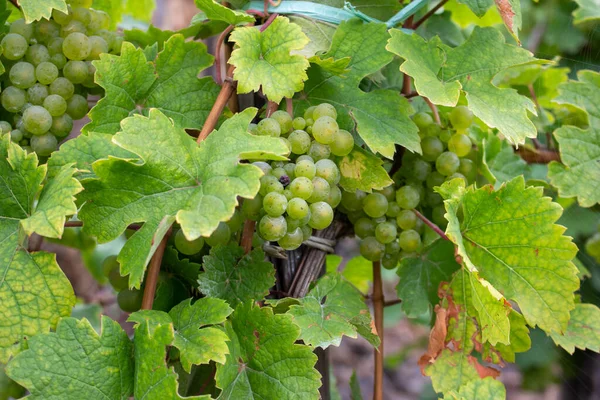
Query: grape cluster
x: 385, y: 220
x: 50, y: 73
x: 298, y: 196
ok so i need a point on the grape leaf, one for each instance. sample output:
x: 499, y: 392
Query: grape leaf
x: 197, y: 185
x: 318, y: 32
x: 583, y: 331
x: 510, y: 11
x: 479, y: 7
x: 231, y: 275
x: 579, y: 174
x: 9, y: 389
x: 140, y: 10
x: 481, y: 389
x: 519, y: 338
x: 358, y: 271
x: 363, y: 171
x: 263, y: 59
x: 326, y: 313
x: 183, y: 268
x: 380, y: 116
x: 588, y: 11
x: 355, y: 393
x: 421, y: 275
x: 264, y: 361
x: 83, y: 151
x: 440, y: 73
x: 170, y: 84
x: 153, y: 379
x: 499, y: 163
x: 198, y: 344
x: 35, y: 10
x: 77, y: 363
x: 217, y: 12
x: 450, y: 371
x: 510, y: 238
x: 34, y: 291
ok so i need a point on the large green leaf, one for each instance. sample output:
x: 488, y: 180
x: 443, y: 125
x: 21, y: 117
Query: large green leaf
x: 588, y: 11
x: 34, y: 10
x: 176, y: 179
x: 231, y: 275
x: 77, y: 363
x: 510, y: 238
x: 153, y: 379
x: 264, y: 59
x: 421, y: 275
x: 216, y: 12
x: 380, y: 116
x: 332, y: 309
x: 34, y: 292
x: 440, y: 73
x: 363, y: 171
x: 579, y: 174
x: 499, y: 163
x: 171, y: 84
x: 583, y: 331
x: 264, y: 362
x: 140, y: 10
x: 199, y: 343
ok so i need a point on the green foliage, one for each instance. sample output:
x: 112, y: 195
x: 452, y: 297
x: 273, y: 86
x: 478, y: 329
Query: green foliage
x: 197, y: 185
x: 586, y: 12
x: 141, y: 10
x: 583, y: 331
x: 488, y: 388
x: 216, y: 12
x: 76, y: 362
x: 363, y: 171
x: 35, y: 10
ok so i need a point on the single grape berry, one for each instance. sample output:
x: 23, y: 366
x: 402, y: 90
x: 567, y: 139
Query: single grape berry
x: 77, y: 46
x: 292, y: 240
x: 461, y: 117
x: 272, y: 228
x: 130, y: 300
x: 409, y: 240
x: 375, y: 205
x: 447, y: 163
x: 460, y: 144
x: 324, y: 110
x: 284, y: 119
x: 408, y: 197
x: 275, y: 204
x: 187, y: 247
x: 364, y: 227
x: 343, y: 143
x: 300, y: 141
x: 371, y: 249
x: 324, y: 130
x: 422, y: 120
x: 37, y: 120
x: 328, y: 170
x: 321, y: 215
x: 297, y: 208
x: 268, y: 127
x: 220, y: 237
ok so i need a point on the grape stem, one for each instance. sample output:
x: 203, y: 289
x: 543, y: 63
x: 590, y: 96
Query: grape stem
x: 430, y: 224
x: 15, y: 3
x: 247, y: 233
x: 271, y: 108
x: 218, y: 58
x: 227, y: 90
x: 392, y: 302
x: 429, y: 14
x: 434, y: 110
x: 268, y: 21
x: 378, y: 304
x: 289, y: 107
x: 153, y: 271
x: 538, y: 156
x: 79, y: 224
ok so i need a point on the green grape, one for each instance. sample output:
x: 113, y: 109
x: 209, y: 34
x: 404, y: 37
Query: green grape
x: 352, y: 201
x: 433, y: 130
x: 386, y: 232
x: 467, y: 168
x: 432, y: 148
x: 237, y: 221
x: 220, y: 237
x: 460, y: 144
x: 335, y: 196
x: 278, y: 173
x: 81, y: 3
x: 392, y: 247
x: 461, y: 117
x: 393, y: 209
x: 272, y: 228
x: 100, y: 20
x: 324, y: 110
x: 44, y: 145
x: 5, y: 127
x: 37, y: 94
x: 55, y: 46
x: 59, y: 60
x: 252, y: 128
x: 308, y: 113
x: 298, y: 124
x: 251, y: 207
x: 275, y: 204
x: 389, y: 192
x: 375, y: 205
x: 61, y: 126
x: 297, y: 208
x: 457, y: 175
x: 319, y: 151
x: 290, y: 170
x: 170, y: 291
x: 61, y: 18
x: 437, y: 216
x: 328, y: 170
x: 324, y: 130
x: 364, y: 227
x: 445, y: 135
x: 390, y: 261
x: 117, y: 281
x: 343, y: 143
x: 284, y: 119
x: 321, y: 189
x: 46, y: 73
x: 268, y: 184
x: 292, y: 240
x: 62, y: 87
x: 14, y: 46
x: 321, y: 215
x: 371, y: 249
x: 300, y: 141
x: 288, y: 194
x: 130, y: 300
x: 16, y: 135
x: 309, y: 124
x: 433, y: 199
x: 108, y: 264
x: 292, y: 224
x: 76, y: 71
x: 22, y: 28
x: 287, y: 144
x: 45, y: 30
x: 420, y: 169
x: 187, y: 247
x: 22, y: 75
x: 592, y: 245
x: 307, y: 231
x: 268, y: 127
x: 422, y: 120
x: 408, y: 197
x: 82, y: 14
x: 305, y: 168
x: 72, y: 27
x: 55, y: 105
x: 264, y: 167
x: 77, y: 46
x: 99, y: 46
x: 77, y: 106
x: 302, y: 187
x: 117, y: 44
x: 447, y: 163
x: 435, y: 179
x: 37, y: 120
x: 409, y: 240
x: 37, y: 54
x: 305, y: 157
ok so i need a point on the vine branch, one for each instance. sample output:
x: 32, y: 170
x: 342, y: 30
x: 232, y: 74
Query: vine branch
x: 153, y: 271
x: 378, y: 304
x: 538, y: 156
x: 218, y: 59
x: 430, y: 224
x: 227, y: 90
x: 429, y: 14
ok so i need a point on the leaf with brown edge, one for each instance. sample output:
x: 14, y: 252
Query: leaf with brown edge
x: 437, y: 338
x: 510, y: 11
